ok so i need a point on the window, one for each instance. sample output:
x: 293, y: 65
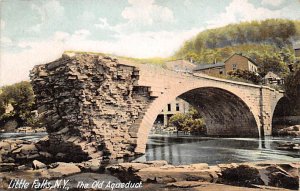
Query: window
x: 169, y: 107
x: 177, y: 106
x: 234, y: 67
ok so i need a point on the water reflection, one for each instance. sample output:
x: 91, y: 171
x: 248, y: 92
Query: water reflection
x: 22, y: 136
x: 186, y: 150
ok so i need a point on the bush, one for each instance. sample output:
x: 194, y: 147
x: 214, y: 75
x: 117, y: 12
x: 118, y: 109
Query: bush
x: 189, y: 122
x: 246, y: 75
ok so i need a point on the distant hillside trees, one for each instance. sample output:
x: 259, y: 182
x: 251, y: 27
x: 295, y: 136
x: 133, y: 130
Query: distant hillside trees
x: 268, y: 43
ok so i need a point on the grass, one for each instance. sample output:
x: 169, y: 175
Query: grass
x: 154, y: 61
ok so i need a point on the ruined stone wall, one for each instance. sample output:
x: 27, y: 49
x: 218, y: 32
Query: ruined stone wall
x: 89, y: 105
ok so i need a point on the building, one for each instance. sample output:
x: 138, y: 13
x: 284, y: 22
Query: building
x: 272, y: 78
x: 180, y: 65
x: 211, y: 69
x: 234, y: 62
x: 177, y: 106
x: 238, y: 61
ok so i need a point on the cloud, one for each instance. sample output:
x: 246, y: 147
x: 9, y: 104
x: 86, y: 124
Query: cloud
x: 274, y: 3
x: 140, y: 44
x: 2, y: 24
x: 146, y: 12
x: 242, y: 10
x: 139, y: 14
x: 187, y: 3
x: 35, y: 28
x: 5, y: 41
x: 49, y: 11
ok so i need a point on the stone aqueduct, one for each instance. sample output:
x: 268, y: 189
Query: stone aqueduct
x: 100, y: 107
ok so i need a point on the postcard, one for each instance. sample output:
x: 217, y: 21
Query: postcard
x: 150, y: 95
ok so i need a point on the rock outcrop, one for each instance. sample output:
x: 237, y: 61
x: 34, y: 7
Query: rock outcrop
x: 90, y: 106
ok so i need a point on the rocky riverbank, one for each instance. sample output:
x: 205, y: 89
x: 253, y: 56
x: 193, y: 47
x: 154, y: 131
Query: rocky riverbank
x: 30, y: 161
x: 159, y: 175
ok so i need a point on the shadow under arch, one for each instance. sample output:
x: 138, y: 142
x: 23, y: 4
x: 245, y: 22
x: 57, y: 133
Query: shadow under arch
x: 282, y: 109
x: 224, y: 111
x: 225, y: 114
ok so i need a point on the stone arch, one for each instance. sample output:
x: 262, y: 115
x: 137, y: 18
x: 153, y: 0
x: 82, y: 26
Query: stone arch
x: 282, y: 107
x: 230, y: 97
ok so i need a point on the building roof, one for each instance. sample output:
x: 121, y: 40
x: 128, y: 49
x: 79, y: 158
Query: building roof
x: 207, y: 66
x: 242, y: 56
x: 272, y: 75
x: 180, y: 65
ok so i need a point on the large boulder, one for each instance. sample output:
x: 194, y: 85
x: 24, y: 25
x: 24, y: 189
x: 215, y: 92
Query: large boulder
x: 290, y: 131
x: 242, y: 175
x: 161, y: 172
x: 284, y: 176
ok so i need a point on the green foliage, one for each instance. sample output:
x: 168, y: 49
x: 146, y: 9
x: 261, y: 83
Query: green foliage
x: 292, y: 90
x: 271, y: 31
x: 189, y: 122
x: 275, y: 61
x: 266, y: 42
x: 21, y: 97
x: 247, y: 75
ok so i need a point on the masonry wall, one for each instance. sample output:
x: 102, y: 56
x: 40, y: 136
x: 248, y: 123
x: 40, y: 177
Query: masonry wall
x: 90, y: 106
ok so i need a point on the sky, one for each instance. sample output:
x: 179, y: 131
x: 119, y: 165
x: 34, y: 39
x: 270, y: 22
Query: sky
x: 39, y: 31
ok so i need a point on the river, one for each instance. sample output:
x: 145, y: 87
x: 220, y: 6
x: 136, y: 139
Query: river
x: 188, y: 149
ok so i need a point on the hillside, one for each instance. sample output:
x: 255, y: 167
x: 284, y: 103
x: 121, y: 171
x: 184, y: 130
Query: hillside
x: 268, y: 42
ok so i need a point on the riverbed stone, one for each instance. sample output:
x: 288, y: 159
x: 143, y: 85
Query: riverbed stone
x: 280, y: 177
x: 63, y: 169
x: 7, y: 167
x: 244, y: 174
x: 161, y: 172
x: 290, y: 131
x: 38, y: 165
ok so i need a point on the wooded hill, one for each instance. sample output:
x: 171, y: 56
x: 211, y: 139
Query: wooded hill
x: 268, y: 43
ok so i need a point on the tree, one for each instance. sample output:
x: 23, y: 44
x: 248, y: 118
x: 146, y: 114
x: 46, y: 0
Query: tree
x: 292, y: 90
x: 189, y: 122
x: 21, y: 97
x: 247, y: 75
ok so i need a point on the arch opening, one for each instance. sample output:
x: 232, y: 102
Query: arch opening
x: 225, y: 114
x: 283, y: 116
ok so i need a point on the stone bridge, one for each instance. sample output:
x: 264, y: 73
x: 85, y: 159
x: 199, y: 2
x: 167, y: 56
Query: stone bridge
x: 102, y: 107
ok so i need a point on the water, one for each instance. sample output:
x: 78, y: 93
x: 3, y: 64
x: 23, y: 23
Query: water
x: 23, y: 136
x: 188, y: 150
